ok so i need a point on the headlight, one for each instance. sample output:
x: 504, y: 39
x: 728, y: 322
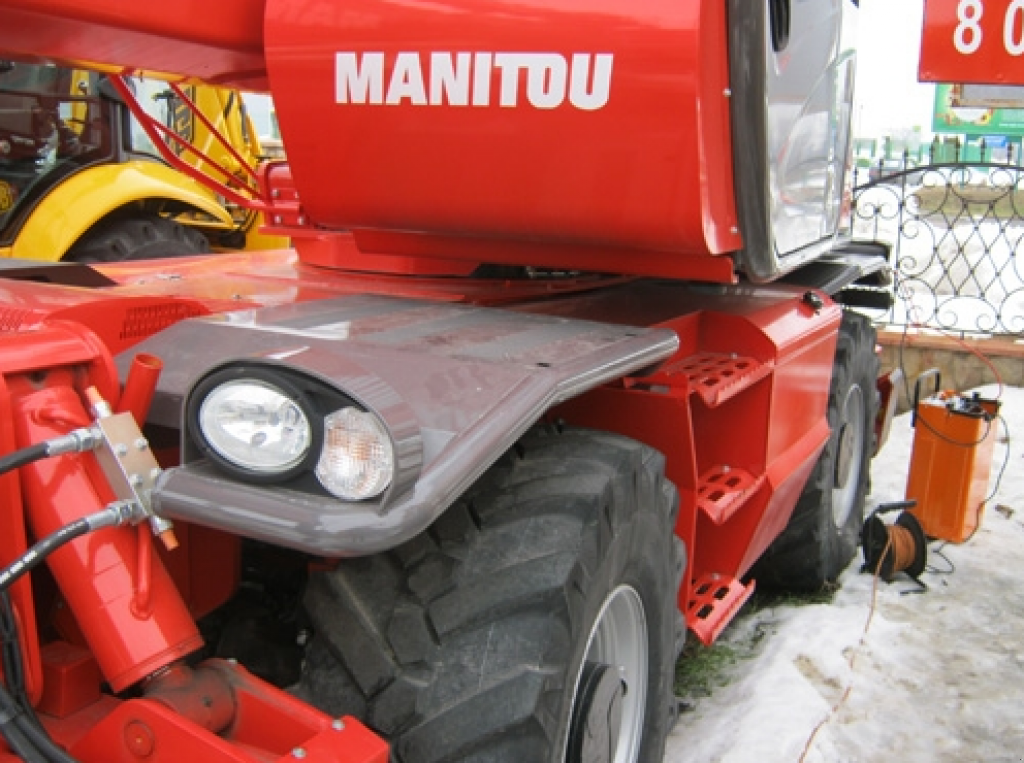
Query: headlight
x: 358, y: 460
x: 272, y: 425
x: 255, y: 425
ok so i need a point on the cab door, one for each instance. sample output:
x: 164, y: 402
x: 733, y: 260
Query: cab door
x: 792, y: 72
x: 810, y: 76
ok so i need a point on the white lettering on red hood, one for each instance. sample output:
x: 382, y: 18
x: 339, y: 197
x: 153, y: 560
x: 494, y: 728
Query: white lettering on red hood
x: 466, y: 79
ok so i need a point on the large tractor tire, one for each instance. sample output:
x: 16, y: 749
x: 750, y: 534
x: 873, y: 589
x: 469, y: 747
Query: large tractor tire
x: 143, y: 237
x: 534, y: 622
x: 824, y: 532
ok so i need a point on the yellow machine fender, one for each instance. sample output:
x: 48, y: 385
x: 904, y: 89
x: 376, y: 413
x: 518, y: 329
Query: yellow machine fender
x: 73, y: 207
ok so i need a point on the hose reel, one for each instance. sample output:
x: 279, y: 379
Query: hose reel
x: 893, y: 548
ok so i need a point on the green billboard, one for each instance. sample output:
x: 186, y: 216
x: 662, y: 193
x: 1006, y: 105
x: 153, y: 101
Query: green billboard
x: 973, y: 120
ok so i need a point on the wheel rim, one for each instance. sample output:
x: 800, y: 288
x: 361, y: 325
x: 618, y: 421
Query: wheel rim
x: 849, y: 461
x: 611, y: 684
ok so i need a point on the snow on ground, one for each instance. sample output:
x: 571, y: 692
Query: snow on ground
x: 937, y: 677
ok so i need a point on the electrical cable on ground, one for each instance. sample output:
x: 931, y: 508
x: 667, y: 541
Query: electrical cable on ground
x: 940, y: 552
x: 899, y: 541
x: 852, y: 661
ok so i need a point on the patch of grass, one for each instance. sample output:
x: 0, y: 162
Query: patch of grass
x: 702, y: 669
x: 768, y: 598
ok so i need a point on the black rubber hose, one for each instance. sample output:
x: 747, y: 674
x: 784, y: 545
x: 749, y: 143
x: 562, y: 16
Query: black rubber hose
x: 14, y: 673
x: 11, y: 722
x: 31, y: 558
x: 18, y: 743
x: 24, y: 456
x: 18, y: 722
x: 41, y: 742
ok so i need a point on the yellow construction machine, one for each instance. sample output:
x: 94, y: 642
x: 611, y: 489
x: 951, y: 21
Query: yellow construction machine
x: 81, y: 180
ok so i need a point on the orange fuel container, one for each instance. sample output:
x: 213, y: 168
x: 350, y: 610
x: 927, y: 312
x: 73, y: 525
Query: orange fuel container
x: 951, y: 460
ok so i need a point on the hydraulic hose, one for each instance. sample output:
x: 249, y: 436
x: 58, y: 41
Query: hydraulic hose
x: 18, y: 722
x: 13, y: 664
x: 25, y: 736
x: 31, y: 558
x: 24, y: 456
x: 78, y: 441
x: 115, y: 514
x: 20, y: 728
x: 15, y: 737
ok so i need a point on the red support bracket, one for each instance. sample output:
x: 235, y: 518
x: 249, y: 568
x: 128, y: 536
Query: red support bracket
x: 723, y: 490
x: 714, y: 600
x: 267, y: 725
x: 715, y: 377
x: 244, y: 191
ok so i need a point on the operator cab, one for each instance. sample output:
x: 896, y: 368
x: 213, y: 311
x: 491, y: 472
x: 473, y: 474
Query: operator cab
x: 52, y: 123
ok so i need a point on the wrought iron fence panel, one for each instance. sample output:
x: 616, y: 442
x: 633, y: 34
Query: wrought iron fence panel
x: 955, y: 231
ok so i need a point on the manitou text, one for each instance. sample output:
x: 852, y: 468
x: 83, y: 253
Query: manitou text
x: 468, y: 79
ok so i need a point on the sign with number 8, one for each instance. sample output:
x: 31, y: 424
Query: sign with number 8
x: 976, y: 41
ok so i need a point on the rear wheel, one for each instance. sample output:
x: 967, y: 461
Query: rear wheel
x: 823, y: 533
x: 534, y: 621
x: 143, y: 237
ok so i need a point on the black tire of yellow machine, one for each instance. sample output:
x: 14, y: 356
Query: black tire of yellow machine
x: 138, y: 237
x: 536, y: 620
x: 824, y: 532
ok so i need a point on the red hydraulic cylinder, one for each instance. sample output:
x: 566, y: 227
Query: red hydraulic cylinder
x: 140, y: 385
x: 100, y: 574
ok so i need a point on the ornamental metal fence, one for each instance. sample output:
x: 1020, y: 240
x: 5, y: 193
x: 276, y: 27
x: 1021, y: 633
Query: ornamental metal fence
x: 956, y: 230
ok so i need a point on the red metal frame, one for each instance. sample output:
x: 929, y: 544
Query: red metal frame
x: 121, y: 603
x: 216, y: 42
x: 243, y: 191
x: 740, y: 415
x: 267, y: 725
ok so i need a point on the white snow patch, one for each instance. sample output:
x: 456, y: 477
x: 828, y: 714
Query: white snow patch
x: 939, y: 676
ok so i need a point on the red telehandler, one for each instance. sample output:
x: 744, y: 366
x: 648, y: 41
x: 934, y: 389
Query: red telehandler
x: 560, y: 365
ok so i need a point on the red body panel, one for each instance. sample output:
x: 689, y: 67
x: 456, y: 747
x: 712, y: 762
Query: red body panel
x: 641, y: 170
x: 592, y: 138
x: 219, y: 42
x: 738, y: 413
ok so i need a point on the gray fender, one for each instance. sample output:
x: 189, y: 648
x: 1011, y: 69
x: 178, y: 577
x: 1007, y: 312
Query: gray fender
x: 456, y: 386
